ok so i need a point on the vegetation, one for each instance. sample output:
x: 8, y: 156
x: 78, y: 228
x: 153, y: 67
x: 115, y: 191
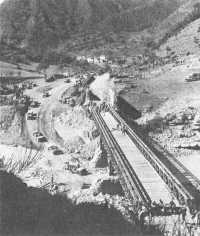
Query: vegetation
x: 17, y: 166
x: 39, y: 26
x: 194, y: 15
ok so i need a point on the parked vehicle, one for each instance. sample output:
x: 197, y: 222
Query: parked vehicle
x: 41, y: 139
x: 32, y: 116
x: 46, y: 94
x: 53, y: 147
x: 68, y: 100
x: 193, y: 77
x: 78, y: 82
x: 29, y: 87
x: 58, y: 152
x: 35, y: 104
x: 59, y: 76
x: 67, y: 81
x: 37, y: 134
x: 50, y: 79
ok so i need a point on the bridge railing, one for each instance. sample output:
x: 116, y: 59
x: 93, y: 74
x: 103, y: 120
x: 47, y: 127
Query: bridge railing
x: 178, y: 189
x: 131, y: 180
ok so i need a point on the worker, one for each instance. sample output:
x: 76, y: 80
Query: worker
x: 161, y: 203
x: 184, y: 212
x: 123, y: 130
x: 141, y: 215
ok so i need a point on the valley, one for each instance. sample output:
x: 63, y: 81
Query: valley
x: 99, y: 117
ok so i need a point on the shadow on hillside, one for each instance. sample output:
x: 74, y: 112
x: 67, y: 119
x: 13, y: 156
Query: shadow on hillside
x: 34, y: 212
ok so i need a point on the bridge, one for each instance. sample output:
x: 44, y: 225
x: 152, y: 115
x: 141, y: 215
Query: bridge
x: 145, y: 175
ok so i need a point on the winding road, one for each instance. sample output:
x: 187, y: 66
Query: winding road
x: 49, y: 105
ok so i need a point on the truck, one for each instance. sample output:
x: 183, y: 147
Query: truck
x: 193, y: 77
x: 46, y: 94
x: 41, y: 139
x: 35, y: 104
x: 50, y: 78
x: 32, y: 116
x: 67, y: 81
x: 68, y: 100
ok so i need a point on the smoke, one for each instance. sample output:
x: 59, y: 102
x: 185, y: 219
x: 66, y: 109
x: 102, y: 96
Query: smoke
x: 103, y: 87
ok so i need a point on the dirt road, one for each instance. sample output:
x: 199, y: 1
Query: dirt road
x: 48, y: 107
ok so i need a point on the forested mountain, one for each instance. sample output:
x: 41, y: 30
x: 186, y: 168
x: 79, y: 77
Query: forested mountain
x: 42, y: 24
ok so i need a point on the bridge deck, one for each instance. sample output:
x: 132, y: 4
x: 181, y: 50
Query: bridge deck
x: 151, y: 181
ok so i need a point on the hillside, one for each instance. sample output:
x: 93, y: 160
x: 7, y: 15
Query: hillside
x: 39, y: 25
x: 187, y: 12
x: 186, y: 41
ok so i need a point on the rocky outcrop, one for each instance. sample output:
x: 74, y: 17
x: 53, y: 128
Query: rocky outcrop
x: 99, y: 160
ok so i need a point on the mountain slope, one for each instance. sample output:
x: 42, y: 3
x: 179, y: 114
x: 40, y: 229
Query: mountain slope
x: 186, y: 41
x: 171, y: 23
x: 42, y: 24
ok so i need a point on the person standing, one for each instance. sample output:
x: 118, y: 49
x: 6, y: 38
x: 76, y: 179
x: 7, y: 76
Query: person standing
x: 123, y: 129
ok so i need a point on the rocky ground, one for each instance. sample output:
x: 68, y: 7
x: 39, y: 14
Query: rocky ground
x: 81, y: 172
x: 170, y: 106
x: 81, y: 139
